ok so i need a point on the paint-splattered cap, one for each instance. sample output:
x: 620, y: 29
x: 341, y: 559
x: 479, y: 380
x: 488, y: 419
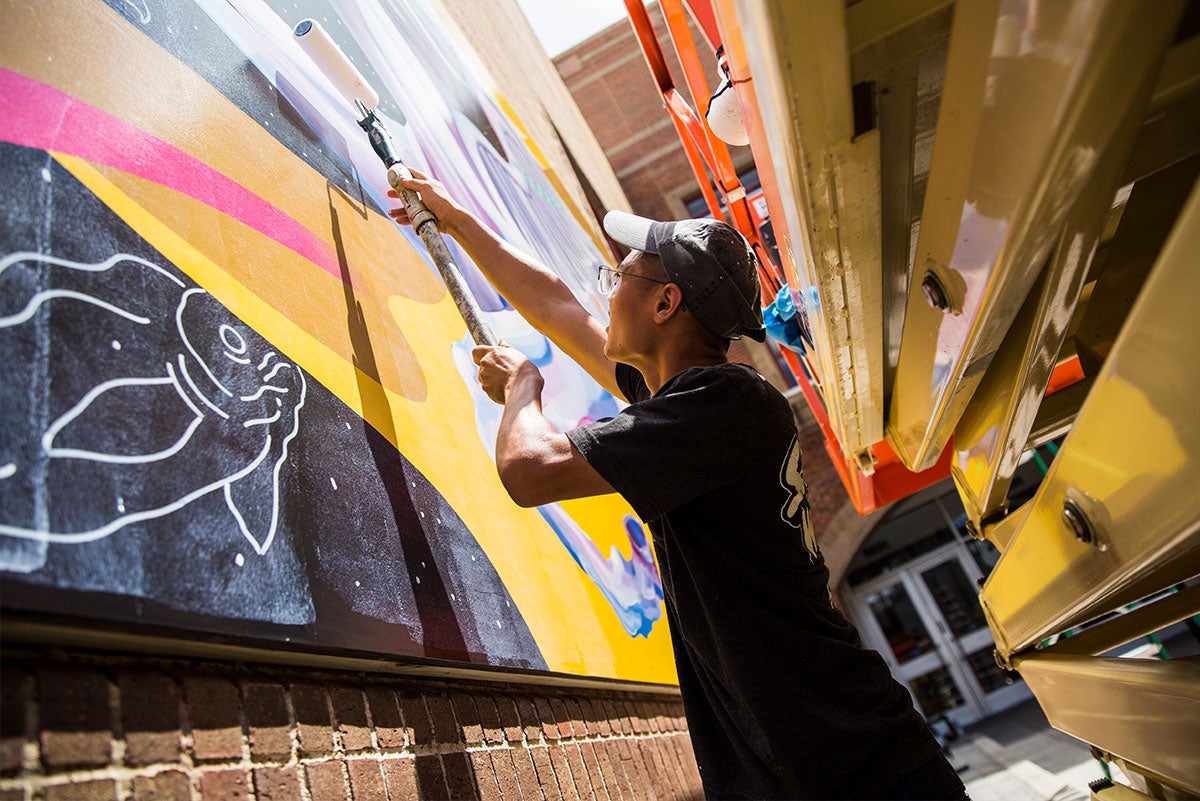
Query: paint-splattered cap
x: 711, y: 262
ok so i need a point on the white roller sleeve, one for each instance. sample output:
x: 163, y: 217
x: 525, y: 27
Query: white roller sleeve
x: 333, y: 62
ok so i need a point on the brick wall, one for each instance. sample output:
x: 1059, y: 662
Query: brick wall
x: 82, y: 726
x: 608, y: 77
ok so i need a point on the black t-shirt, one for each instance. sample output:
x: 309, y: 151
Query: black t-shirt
x: 781, y: 698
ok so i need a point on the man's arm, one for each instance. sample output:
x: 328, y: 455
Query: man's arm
x: 536, y: 462
x: 533, y: 290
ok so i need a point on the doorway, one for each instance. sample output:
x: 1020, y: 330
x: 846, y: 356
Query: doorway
x: 925, y: 618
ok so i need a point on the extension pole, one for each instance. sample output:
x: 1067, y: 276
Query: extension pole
x: 333, y: 62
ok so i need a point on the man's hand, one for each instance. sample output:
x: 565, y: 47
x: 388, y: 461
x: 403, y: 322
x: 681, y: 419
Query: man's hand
x: 434, y: 196
x: 503, y: 367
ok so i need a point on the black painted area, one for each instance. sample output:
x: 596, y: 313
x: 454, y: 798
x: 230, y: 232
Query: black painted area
x: 345, y: 533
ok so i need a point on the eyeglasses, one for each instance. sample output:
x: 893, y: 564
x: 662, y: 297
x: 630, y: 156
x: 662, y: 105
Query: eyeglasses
x: 607, y: 278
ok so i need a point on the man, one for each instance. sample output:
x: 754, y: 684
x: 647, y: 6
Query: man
x: 781, y: 699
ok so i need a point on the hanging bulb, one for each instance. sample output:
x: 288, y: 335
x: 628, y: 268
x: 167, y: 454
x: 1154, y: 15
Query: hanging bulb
x: 724, y: 116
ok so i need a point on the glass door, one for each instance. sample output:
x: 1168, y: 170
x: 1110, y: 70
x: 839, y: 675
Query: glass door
x: 948, y: 583
x: 926, y: 620
x: 898, y: 623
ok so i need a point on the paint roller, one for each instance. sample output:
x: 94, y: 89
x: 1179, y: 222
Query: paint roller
x: 350, y: 83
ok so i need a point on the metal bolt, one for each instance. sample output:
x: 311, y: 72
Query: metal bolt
x: 934, y: 292
x: 973, y: 530
x: 1077, y: 520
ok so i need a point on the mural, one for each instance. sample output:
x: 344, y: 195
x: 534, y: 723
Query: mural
x: 235, y: 398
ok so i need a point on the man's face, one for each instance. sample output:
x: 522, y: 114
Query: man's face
x: 630, y: 308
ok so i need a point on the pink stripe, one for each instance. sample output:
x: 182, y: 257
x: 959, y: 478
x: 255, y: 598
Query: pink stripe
x: 36, y: 115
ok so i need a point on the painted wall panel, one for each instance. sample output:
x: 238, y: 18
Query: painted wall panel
x: 235, y: 397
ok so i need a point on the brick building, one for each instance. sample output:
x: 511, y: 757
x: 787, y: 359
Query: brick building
x: 84, y: 725
x: 610, y: 82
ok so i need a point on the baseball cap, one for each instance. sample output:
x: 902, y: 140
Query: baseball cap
x: 710, y: 261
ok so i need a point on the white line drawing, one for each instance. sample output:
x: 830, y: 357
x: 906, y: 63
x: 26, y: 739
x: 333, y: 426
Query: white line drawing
x: 41, y: 297
x: 141, y: 8
x: 81, y: 407
x: 229, y: 430
x: 188, y: 377
x: 192, y: 350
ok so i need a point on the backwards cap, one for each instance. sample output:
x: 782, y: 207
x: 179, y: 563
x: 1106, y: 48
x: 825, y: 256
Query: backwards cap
x: 710, y: 261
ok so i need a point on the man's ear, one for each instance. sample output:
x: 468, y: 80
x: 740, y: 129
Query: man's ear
x: 670, y: 301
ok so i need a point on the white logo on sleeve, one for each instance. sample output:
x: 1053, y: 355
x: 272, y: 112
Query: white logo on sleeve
x: 795, y: 511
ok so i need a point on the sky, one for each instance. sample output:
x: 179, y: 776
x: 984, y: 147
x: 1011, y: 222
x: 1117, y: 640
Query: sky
x: 561, y: 24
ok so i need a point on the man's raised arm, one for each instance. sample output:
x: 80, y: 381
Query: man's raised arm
x: 533, y: 290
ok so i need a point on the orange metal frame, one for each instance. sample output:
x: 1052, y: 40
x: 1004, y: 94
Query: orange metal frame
x: 704, y: 151
x: 891, y: 480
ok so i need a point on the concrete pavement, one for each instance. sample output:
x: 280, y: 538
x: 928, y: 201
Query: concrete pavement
x: 1017, y: 756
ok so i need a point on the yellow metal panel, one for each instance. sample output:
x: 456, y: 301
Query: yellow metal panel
x: 1130, y: 469
x: 1146, y: 711
x: 828, y: 181
x: 996, y: 424
x: 1127, y: 627
x: 1027, y: 106
x: 1146, y: 222
x: 882, y: 32
x: 1119, y: 792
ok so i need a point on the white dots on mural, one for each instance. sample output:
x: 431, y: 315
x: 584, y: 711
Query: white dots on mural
x: 418, y: 579
x: 357, y: 583
x: 451, y: 596
x: 347, y: 426
x: 334, y: 483
x: 120, y: 504
x: 240, y: 560
x: 116, y: 345
x: 46, y: 174
x: 499, y: 625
